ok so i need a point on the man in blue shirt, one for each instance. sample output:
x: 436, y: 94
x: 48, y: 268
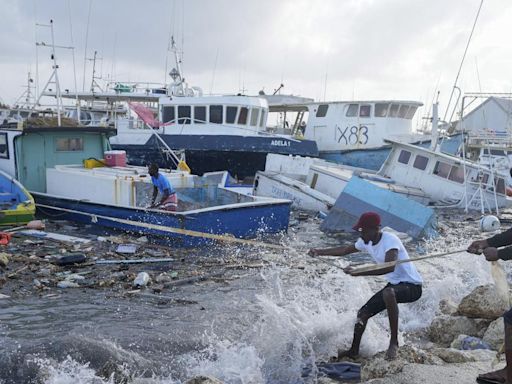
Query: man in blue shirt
x: 169, y: 200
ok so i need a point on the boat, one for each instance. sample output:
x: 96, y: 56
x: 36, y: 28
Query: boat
x: 315, y: 184
x: 57, y: 166
x: 214, y: 132
x: 17, y: 206
x: 352, y: 133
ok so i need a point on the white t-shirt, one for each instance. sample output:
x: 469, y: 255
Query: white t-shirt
x: 403, y: 273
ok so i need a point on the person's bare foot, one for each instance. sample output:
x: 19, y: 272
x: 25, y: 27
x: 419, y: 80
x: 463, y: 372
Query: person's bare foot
x: 392, y: 352
x: 500, y: 376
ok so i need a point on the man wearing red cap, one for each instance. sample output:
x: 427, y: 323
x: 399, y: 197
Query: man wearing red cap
x: 404, y: 281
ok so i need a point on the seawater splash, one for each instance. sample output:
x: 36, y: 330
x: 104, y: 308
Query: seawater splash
x: 263, y: 327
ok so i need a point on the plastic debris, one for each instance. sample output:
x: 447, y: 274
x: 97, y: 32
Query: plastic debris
x: 4, y: 259
x: 67, y: 284
x: 126, y: 248
x: 141, y: 280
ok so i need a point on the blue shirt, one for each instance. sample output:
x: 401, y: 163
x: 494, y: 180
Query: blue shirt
x: 161, y: 182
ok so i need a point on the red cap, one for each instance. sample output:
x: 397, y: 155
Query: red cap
x: 367, y: 220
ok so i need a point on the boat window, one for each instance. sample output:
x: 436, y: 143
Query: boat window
x: 497, y: 152
x: 420, y: 162
x: 242, y: 116
x: 457, y: 174
x: 199, y: 115
x: 442, y: 169
x: 411, y: 112
x: 352, y: 110
x: 402, y: 112
x: 500, y: 185
x: 322, y: 110
x: 231, y: 114
x: 404, y: 157
x: 254, y: 116
x: 4, y: 146
x: 216, y: 114
x: 67, y: 144
x: 168, y: 114
x: 393, y: 111
x: 184, y: 114
x: 381, y: 110
x: 365, y: 111
x: 262, y: 119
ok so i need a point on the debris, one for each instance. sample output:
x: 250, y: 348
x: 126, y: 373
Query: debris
x: 141, y: 280
x: 136, y: 261
x: 70, y: 258
x: 67, y: 284
x: 54, y: 236
x: 4, y: 259
x: 192, y: 280
x: 11, y: 275
x: 2, y: 296
x: 142, y: 240
x: 126, y: 248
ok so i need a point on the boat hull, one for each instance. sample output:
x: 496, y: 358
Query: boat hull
x: 244, y: 220
x: 241, y: 156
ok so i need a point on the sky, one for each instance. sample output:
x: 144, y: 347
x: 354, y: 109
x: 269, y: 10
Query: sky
x: 326, y: 50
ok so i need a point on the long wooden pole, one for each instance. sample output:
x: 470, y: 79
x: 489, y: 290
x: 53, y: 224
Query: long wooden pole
x: 377, y: 267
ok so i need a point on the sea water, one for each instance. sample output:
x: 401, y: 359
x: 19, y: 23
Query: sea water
x: 263, y: 327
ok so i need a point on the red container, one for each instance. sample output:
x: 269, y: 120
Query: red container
x: 115, y: 158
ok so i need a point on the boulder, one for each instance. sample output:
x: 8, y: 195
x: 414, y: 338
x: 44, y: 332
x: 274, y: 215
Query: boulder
x: 483, y: 303
x: 203, y: 380
x: 455, y: 356
x: 447, y: 307
x: 495, y: 334
x: 444, y: 329
x: 378, y: 366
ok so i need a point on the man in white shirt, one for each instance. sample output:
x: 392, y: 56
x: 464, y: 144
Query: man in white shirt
x: 404, y: 282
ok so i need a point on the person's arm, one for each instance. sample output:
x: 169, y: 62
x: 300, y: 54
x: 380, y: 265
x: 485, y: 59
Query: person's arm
x: 336, y: 251
x: 494, y: 254
x: 501, y: 239
x: 155, y: 194
x: 391, y: 255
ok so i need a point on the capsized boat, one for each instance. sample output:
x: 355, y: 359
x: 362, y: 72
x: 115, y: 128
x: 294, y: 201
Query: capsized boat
x: 17, y: 206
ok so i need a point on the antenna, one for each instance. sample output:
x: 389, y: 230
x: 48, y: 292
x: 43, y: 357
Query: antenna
x: 94, y: 83
x: 86, y: 41
x: 54, y: 77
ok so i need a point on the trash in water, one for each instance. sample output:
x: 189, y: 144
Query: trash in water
x: 126, y: 248
x: 141, y: 280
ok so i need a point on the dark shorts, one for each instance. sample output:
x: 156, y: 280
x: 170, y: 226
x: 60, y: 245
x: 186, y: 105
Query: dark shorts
x: 404, y: 292
x: 507, y: 316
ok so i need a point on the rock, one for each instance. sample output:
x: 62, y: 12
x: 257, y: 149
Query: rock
x: 495, y: 334
x: 115, y: 373
x: 483, y: 303
x: 203, y: 380
x: 4, y: 259
x: 378, y: 366
x: 447, y: 307
x: 444, y: 329
x: 455, y: 356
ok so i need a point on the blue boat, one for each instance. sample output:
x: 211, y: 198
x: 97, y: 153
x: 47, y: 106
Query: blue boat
x: 49, y: 162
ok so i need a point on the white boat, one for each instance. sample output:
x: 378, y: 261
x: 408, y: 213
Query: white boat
x: 314, y: 184
x: 447, y: 180
x: 349, y: 132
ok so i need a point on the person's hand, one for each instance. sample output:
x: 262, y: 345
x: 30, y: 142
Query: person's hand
x: 348, y: 270
x: 491, y: 254
x: 477, y: 246
x: 313, y: 252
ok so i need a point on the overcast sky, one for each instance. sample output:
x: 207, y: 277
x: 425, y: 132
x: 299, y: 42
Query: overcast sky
x: 328, y: 49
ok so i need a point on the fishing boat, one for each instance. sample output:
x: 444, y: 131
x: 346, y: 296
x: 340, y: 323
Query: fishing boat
x: 352, y: 133
x: 315, y: 184
x: 49, y: 161
x: 17, y: 206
